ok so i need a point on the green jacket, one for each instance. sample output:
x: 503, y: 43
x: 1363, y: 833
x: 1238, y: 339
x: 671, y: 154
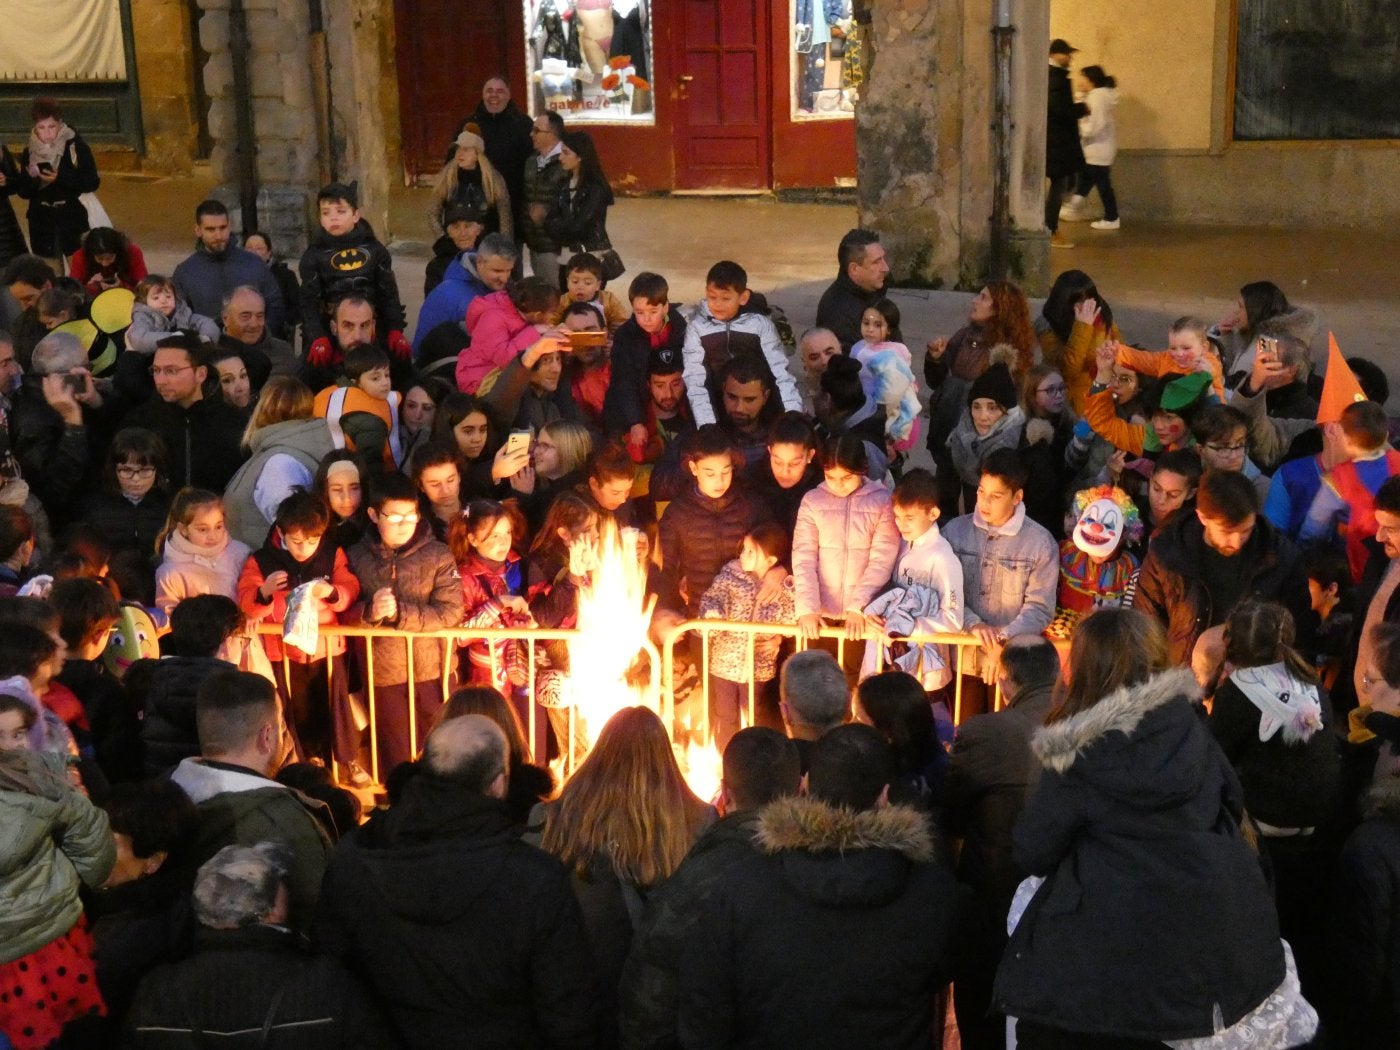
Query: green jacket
x: 51, y: 840
x: 238, y: 807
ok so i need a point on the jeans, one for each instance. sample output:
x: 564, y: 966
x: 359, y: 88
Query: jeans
x: 1096, y: 176
x: 546, y: 265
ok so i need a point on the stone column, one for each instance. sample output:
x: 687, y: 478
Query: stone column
x: 924, y: 149
x: 283, y: 114
x: 287, y: 122
x: 166, y: 69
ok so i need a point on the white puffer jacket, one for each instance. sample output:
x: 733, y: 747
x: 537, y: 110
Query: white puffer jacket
x: 1098, y: 132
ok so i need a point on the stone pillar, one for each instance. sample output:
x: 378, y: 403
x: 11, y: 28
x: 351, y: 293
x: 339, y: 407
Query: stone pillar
x: 166, y: 70
x: 924, y: 148
x: 355, y: 32
x: 284, y: 116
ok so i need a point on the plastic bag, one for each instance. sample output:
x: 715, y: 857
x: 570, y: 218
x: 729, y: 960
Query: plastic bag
x: 301, y: 627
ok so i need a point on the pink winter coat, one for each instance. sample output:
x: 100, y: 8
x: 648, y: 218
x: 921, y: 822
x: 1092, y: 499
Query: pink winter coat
x: 498, y: 333
x: 187, y: 570
x: 843, y: 549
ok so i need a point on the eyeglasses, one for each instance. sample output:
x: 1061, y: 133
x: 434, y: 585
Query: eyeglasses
x: 130, y: 473
x: 170, y: 371
x: 1057, y: 389
x: 399, y: 519
x: 1228, y: 450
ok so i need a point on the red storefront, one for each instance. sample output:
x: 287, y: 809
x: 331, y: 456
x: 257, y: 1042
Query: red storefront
x: 750, y: 94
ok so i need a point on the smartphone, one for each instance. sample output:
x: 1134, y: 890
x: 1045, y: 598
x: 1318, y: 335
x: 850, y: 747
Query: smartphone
x: 46, y: 168
x: 518, y: 441
x: 589, y: 337
x: 74, y: 384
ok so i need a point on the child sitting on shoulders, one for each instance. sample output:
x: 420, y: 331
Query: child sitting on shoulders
x: 158, y: 311
x: 344, y: 258
x: 363, y: 410
x: 1188, y: 350
x: 197, y: 554
x: 723, y: 328
x: 734, y: 596
x: 655, y: 329
x: 584, y: 283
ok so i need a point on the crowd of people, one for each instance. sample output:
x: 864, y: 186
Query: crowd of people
x: 1097, y: 719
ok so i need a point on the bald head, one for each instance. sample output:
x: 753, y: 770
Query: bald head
x: 56, y: 353
x: 245, y: 315
x: 471, y: 751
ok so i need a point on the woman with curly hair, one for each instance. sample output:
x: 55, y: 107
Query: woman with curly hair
x: 1073, y: 323
x: 622, y: 825
x: 999, y: 314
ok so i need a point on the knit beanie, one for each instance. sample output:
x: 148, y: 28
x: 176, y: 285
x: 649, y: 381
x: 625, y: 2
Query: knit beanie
x: 995, y: 383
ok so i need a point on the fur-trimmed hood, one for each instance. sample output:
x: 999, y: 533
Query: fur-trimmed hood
x: 1137, y: 744
x: 836, y: 858
x: 813, y: 826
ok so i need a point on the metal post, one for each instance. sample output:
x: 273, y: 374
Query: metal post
x: 999, y: 256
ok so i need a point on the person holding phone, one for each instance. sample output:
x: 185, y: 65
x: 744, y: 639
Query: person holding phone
x: 55, y: 170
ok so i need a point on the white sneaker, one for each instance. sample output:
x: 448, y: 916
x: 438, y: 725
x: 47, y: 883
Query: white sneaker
x: 1104, y: 224
x: 1069, y: 211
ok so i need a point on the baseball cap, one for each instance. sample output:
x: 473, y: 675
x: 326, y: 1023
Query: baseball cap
x: 1061, y: 47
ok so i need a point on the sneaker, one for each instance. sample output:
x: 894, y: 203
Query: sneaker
x: 1059, y: 240
x: 1069, y: 211
x: 1104, y: 224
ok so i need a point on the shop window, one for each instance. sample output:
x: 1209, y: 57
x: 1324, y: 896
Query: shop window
x: 590, y: 60
x: 1317, y: 69
x: 827, y: 59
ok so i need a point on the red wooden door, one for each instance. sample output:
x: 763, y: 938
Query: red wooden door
x: 445, y: 50
x: 722, y: 130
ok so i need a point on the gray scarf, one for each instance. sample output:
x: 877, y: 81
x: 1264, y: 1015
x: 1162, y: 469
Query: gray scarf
x: 50, y: 152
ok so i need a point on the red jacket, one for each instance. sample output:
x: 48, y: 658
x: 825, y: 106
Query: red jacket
x: 273, y: 557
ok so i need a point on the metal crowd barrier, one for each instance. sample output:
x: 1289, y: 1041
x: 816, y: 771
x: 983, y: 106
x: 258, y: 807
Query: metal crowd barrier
x: 662, y: 666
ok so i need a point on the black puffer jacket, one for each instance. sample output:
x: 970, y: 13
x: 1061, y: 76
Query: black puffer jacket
x: 257, y: 986
x: 1135, y: 827
x: 841, y: 306
x: 164, y: 690
x: 353, y: 263
x: 698, y: 535
x: 840, y: 935
x: 1171, y: 585
x: 127, y: 525
x: 650, y: 989
x: 468, y: 936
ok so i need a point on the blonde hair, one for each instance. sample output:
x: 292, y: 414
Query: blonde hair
x: 183, y: 508
x: 283, y: 398
x: 445, y: 184
x: 627, y: 804
x: 574, y: 442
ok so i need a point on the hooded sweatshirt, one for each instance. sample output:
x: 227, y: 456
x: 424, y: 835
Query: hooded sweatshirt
x: 1098, y: 131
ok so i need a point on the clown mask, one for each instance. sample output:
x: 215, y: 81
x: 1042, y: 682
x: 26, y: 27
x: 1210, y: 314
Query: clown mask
x: 1099, y: 529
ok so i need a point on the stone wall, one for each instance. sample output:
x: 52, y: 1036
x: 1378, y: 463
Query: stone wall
x: 924, y: 144
x: 166, y: 73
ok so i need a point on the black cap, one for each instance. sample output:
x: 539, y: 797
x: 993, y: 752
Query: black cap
x: 664, y: 361
x: 457, y: 213
x: 1061, y: 47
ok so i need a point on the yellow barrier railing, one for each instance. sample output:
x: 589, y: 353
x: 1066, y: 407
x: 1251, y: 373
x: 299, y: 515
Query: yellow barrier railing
x: 662, y: 666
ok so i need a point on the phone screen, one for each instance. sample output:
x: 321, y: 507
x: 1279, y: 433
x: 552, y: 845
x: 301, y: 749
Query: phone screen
x: 519, y: 441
